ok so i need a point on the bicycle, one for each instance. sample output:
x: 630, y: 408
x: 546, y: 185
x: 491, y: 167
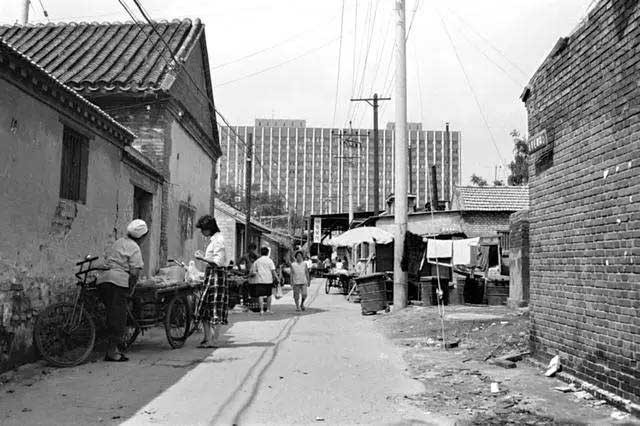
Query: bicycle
x: 65, y: 333
x: 184, y: 312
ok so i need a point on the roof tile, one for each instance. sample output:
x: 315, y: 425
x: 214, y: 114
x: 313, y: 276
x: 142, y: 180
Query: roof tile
x: 492, y: 198
x: 90, y: 57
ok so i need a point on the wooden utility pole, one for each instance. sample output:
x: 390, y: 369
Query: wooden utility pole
x: 376, y: 156
x: 248, y: 179
x: 400, y: 277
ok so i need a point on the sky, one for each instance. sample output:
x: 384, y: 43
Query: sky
x: 468, y: 61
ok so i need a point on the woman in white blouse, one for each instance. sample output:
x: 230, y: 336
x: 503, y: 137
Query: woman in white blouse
x: 216, y: 304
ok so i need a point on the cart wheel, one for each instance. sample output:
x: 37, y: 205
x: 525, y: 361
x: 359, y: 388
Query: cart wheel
x: 177, y: 321
x: 63, y: 335
x: 326, y: 286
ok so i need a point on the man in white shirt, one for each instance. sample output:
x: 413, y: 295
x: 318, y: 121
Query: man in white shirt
x: 262, y: 278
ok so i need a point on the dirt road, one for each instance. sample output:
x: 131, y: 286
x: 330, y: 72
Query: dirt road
x: 325, y: 365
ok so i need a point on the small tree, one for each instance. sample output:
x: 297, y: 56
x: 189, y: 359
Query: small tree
x: 520, y: 164
x: 478, y: 180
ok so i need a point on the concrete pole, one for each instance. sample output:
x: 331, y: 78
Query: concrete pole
x: 376, y: 159
x: 25, y: 12
x: 350, y: 189
x: 400, y: 277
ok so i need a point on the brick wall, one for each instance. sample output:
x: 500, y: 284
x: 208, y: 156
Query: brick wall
x: 585, y: 209
x: 481, y: 224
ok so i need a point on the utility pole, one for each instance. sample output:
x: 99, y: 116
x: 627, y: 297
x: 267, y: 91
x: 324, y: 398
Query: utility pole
x: 349, y: 142
x: 25, y: 12
x: 376, y: 157
x: 248, y: 178
x: 400, y: 277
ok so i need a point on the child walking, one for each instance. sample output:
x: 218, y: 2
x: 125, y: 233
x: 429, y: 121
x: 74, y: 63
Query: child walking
x: 299, y: 281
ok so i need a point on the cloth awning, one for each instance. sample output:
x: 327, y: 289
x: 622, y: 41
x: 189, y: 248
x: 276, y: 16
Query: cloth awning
x: 365, y: 234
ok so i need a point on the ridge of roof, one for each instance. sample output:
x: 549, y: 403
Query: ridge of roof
x: 107, y: 57
x: 117, y: 129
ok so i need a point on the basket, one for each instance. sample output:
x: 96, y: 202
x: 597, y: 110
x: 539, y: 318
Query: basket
x: 373, y: 292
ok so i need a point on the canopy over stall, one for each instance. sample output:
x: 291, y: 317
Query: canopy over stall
x: 365, y: 234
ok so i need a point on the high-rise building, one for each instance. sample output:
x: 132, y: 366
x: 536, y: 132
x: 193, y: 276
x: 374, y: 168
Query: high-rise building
x: 309, y: 166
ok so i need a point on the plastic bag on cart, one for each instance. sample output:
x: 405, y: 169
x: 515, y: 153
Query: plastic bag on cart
x: 193, y: 273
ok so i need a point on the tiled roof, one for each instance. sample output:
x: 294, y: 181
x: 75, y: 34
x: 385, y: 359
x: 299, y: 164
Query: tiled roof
x: 29, y: 72
x: 106, y: 57
x: 491, y: 198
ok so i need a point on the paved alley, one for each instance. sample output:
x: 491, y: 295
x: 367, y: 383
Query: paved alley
x: 325, y: 365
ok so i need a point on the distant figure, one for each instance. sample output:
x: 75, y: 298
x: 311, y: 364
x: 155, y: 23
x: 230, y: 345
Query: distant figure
x: 299, y: 281
x: 261, y: 280
x: 326, y: 263
x: 361, y: 267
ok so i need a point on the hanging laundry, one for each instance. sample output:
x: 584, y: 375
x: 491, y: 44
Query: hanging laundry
x: 462, y: 250
x: 439, y: 249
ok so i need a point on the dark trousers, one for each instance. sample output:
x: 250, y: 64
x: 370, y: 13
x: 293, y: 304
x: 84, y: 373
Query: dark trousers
x: 115, y: 302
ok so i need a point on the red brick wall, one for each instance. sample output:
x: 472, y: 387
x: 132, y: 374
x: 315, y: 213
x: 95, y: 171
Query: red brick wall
x: 585, y: 209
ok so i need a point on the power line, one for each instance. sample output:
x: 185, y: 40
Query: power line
x: 473, y: 92
x: 486, y: 40
x: 44, y: 11
x: 366, y: 58
x: 335, y: 103
x: 198, y: 90
x: 253, y: 74
x: 257, y: 52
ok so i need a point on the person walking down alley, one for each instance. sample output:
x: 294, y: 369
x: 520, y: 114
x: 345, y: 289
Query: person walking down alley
x: 122, y: 268
x: 300, y: 281
x: 261, y: 280
x: 216, y: 304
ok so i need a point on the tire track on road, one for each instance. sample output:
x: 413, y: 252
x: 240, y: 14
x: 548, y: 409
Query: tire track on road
x: 236, y: 404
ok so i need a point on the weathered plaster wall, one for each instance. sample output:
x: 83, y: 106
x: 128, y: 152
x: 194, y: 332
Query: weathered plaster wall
x: 43, y: 236
x: 190, y: 170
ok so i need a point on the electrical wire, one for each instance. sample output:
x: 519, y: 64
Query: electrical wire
x: 335, y: 103
x: 257, y: 52
x: 366, y: 59
x: 198, y: 90
x: 471, y: 89
x: 44, y: 11
x: 302, y: 55
x: 466, y: 24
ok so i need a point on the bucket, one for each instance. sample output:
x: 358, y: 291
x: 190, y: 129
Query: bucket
x: 373, y: 292
x: 428, y: 290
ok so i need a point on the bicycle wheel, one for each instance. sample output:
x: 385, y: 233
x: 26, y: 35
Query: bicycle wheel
x: 177, y: 321
x: 326, y: 286
x: 64, y: 339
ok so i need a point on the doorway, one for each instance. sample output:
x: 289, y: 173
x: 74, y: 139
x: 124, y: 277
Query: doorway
x: 143, y: 209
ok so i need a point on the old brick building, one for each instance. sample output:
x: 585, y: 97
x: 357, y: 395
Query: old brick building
x: 475, y: 212
x: 127, y: 70
x: 583, y: 105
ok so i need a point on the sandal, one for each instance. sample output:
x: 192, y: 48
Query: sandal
x: 206, y: 345
x: 121, y: 358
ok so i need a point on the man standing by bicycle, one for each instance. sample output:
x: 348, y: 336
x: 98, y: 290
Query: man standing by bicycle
x: 123, y: 266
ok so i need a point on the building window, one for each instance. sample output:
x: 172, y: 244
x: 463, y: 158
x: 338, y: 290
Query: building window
x: 544, y: 160
x: 75, y: 164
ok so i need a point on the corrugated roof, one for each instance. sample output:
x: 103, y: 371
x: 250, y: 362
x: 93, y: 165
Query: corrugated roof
x: 491, y: 198
x: 106, y: 57
x: 107, y: 122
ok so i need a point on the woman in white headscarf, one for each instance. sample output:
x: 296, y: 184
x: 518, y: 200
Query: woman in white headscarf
x: 123, y: 265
